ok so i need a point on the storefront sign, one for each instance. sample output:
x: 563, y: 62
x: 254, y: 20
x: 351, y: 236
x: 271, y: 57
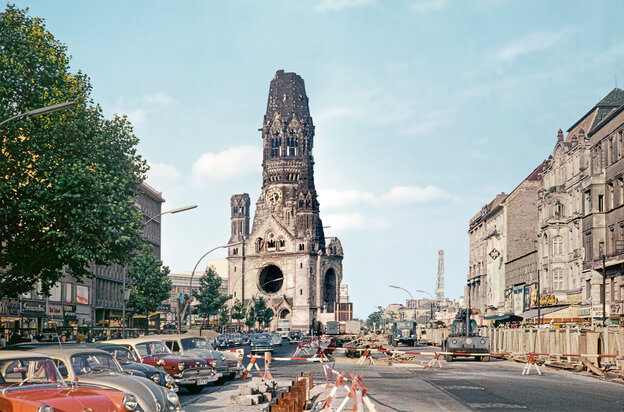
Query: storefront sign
x: 617, y: 308
x: 33, y: 307
x: 55, y: 310
x: 69, y: 309
x: 572, y: 299
x: 9, y: 308
x: 165, y: 307
x: 597, y: 311
x: 585, y: 312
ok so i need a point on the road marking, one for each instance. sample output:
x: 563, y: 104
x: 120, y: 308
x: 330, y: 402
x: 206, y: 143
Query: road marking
x: 462, y: 387
x: 496, y: 406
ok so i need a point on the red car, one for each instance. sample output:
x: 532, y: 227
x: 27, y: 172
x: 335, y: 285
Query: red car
x: 30, y: 382
x: 188, y: 372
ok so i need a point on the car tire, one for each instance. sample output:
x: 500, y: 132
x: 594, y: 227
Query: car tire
x: 195, y: 388
x: 232, y: 376
x: 485, y: 358
x: 221, y: 381
x: 448, y: 358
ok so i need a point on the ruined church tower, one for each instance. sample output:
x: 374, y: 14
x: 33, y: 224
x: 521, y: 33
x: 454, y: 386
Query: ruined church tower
x: 285, y: 258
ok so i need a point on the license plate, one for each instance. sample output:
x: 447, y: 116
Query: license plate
x: 203, y: 381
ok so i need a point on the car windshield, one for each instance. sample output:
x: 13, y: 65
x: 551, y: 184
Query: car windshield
x: 122, y: 354
x: 93, y: 362
x: 152, y: 348
x: 195, y: 343
x: 404, y: 324
x: 28, y: 371
x: 262, y: 336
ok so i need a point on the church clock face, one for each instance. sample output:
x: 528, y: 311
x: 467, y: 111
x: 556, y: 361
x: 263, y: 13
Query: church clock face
x: 273, y: 197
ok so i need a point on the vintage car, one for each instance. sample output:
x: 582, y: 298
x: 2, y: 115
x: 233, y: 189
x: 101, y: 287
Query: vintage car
x: 131, y: 365
x: 229, y: 364
x: 94, y: 367
x: 261, y: 342
x: 190, y: 373
x: 30, y: 382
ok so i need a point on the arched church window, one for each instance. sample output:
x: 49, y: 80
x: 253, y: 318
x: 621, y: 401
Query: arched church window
x: 281, y: 244
x: 558, y: 210
x: 270, y: 242
x: 259, y: 244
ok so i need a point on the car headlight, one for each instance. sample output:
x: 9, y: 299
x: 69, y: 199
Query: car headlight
x: 130, y: 402
x: 454, y: 341
x: 169, y: 379
x: 213, y: 363
x: 172, y: 397
x: 482, y: 341
x: 156, y: 377
x: 45, y: 408
x: 181, y: 366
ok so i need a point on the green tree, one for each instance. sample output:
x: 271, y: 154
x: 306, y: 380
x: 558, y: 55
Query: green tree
x: 264, y: 314
x: 150, y: 280
x: 238, y: 312
x: 210, y: 299
x: 376, y: 318
x: 250, y: 319
x: 68, y: 179
x: 224, y: 316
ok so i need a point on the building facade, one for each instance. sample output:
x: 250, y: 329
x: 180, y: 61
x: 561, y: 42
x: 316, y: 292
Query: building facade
x: 284, y: 257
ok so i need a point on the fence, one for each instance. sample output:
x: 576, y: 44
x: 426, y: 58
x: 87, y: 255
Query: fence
x: 601, y: 341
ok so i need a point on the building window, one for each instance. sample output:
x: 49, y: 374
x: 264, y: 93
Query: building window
x: 558, y: 279
x: 301, y: 246
x: 610, y: 197
x: 588, y: 202
x: 601, y: 203
x: 558, y: 210
x: 557, y: 245
x: 587, y: 289
x: 587, y: 245
x: 611, y: 240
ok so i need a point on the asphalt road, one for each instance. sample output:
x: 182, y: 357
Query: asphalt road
x: 461, y: 385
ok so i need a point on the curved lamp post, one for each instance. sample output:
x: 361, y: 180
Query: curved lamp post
x: 190, y: 298
x: 126, y: 293
x: 399, y: 287
x: 41, y: 111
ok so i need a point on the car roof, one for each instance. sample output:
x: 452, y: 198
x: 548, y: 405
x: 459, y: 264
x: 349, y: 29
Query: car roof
x: 69, y: 351
x: 133, y: 341
x: 12, y: 354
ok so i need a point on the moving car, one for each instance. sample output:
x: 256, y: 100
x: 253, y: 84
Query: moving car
x: 404, y: 331
x: 294, y: 336
x: 276, y: 339
x: 31, y: 382
x: 131, y: 365
x: 261, y: 342
x: 464, y: 339
x: 94, y: 367
x: 191, y: 373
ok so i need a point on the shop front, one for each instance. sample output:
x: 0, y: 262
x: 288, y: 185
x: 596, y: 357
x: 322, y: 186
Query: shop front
x: 33, y: 316
x: 9, y: 315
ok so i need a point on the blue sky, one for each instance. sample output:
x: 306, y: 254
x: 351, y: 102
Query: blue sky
x: 424, y: 110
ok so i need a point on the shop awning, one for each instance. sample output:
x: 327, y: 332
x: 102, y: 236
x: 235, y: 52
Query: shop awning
x: 532, y: 313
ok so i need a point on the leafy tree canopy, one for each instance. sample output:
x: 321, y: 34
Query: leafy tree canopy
x: 150, y: 280
x: 238, y: 310
x: 264, y: 314
x: 375, y: 317
x: 68, y: 179
x: 224, y: 316
x: 210, y: 299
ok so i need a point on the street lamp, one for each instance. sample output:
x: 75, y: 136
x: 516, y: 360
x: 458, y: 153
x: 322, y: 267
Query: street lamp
x: 126, y: 294
x: 41, y: 111
x: 188, y: 301
x: 181, y: 209
x: 399, y: 287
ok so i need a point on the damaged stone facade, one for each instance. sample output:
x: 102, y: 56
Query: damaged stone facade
x: 283, y: 257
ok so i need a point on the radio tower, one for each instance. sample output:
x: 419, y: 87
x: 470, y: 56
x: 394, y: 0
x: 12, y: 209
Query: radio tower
x: 439, y: 292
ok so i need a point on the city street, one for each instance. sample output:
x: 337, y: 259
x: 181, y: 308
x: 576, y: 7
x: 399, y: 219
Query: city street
x: 460, y: 385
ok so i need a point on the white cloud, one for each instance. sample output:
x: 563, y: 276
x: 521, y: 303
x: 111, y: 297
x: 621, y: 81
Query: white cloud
x: 333, y: 5
x: 413, y: 194
x: 163, y: 175
x: 354, y: 221
x: 232, y: 163
x: 529, y: 44
x: 398, y: 195
x: 136, y: 117
x: 158, y: 98
x: 428, y: 6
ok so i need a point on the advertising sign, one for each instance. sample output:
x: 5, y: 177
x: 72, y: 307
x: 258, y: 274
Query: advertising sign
x: 518, y: 299
x: 82, y: 294
x: 55, y: 310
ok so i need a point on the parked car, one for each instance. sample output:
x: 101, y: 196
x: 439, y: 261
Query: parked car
x: 261, y: 342
x: 276, y: 339
x: 236, y: 339
x: 131, y: 365
x: 94, y: 367
x: 194, y: 346
x: 190, y: 373
x: 31, y: 382
x: 223, y: 341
